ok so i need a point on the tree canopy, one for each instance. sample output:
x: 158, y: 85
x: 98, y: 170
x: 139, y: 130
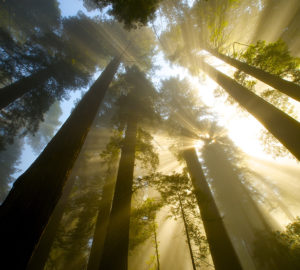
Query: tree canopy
x: 181, y: 145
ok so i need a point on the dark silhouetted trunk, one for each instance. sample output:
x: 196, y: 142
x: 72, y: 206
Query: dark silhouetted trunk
x: 115, y: 251
x: 101, y: 225
x: 221, y: 248
x: 42, y: 250
x: 283, y: 127
x: 286, y: 87
x: 28, y: 207
x: 17, y: 89
x: 187, y: 232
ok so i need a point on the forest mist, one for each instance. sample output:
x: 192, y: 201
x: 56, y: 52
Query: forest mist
x: 150, y: 134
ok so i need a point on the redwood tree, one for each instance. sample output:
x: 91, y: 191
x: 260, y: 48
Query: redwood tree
x: 283, y: 127
x: 28, y: 207
x: 134, y: 106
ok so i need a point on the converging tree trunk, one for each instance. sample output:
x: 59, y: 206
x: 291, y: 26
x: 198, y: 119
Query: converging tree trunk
x: 289, y: 88
x: 12, y: 92
x: 115, y: 251
x: 28, y: 207
x: 247, y: 224
x: 101, y: 225
x: 222, y: 251
x: 42, y: 249
x: 283, y: 127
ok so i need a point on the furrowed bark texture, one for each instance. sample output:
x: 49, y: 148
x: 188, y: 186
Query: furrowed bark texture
x: 283, y: 127
x: 28, y: 207
x: 221, y: 248
x: 115, y: 251
x: 289, y: 88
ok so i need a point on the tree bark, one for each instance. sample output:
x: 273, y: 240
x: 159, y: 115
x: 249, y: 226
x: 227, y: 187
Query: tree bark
x: 42, y: 249
x: 28, y: 207
x: 12, y: 92
x: 247, y: 222
x: 101, y: 226
x: 115, y: 251
x: 289, y: 88
x: 221, y: 248
x: 187, y: 232
x: 283, y: 127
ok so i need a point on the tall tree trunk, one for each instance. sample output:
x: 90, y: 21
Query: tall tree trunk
x: 101, y: 225
x: 283, y: 127
x: 187, y: 232
x: 286, y: 87
x: 115, y: 251
x: 12, y: 92
x: 28, y: 207
x: 42, y: 249
x: 248, y: 225
x: 221, y: 248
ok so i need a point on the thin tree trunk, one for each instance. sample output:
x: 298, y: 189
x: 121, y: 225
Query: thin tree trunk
x: 187, y: 232
x: 283, y: 127
x: 101, y: 225
x: 221, y: 248
x: 289, y: 88
x: 12, y: 92
x: 28, y: 207
x: 42, y: 249
x: 156, y: 245
x: 115, y: 251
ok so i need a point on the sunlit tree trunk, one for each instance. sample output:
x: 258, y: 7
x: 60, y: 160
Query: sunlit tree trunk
x: 115, y: 251
x: 101, y: 225
x: 221, y: 248
x: 12, y: 92
x: 283, y: 127
x: 42, y: 250
x: 247, y: 222
x: 187, y: 232
x: 286, y: 87
x: 28, y: 207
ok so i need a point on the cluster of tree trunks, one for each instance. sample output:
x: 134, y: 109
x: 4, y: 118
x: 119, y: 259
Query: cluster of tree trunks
x: 29, y: 205
x: 289, y: 88
x: 115, y: 251
x: 283, y: 127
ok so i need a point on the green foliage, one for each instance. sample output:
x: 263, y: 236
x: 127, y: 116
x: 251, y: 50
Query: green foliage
x: 176, y: 191
x: 274, y: 58
x: 145, y: 152
x: 133, y: 13
x: 287, y: 244
x: 142, y: 222
x: 28, y: 17
x: 181, y: 107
